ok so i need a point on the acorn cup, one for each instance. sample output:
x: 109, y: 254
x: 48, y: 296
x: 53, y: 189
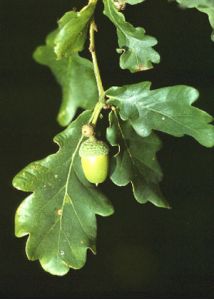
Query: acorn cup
x: 94, y: 160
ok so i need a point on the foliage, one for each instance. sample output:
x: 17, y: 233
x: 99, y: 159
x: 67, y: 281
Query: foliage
x: 166, y: 109
x: 59, y: 216
x: 136, y: 49
x: 72, y: 31
x: 136, y: 161
x: 68, y: 71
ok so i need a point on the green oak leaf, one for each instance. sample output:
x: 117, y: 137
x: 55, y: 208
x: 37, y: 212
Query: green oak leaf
x: 167, y: 109
x: 205, y: 6
x: 59, y: 216
x: 136, y: 161
x: 76, y: 77
x: 136, y: 49
x: 72, y: 32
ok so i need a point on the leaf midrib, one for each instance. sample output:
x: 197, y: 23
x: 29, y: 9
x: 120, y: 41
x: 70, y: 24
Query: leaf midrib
x: 160, y: 113
x: 66, y: 194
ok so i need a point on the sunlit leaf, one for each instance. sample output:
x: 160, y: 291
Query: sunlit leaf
x: 167, y: 109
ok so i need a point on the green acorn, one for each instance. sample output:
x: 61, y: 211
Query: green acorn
x: 95, y: 160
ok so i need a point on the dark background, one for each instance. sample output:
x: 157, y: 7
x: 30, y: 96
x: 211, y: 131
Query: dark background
x: 143, y: 251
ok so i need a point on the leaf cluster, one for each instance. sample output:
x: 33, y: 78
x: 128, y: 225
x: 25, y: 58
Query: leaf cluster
x: 59, y: 215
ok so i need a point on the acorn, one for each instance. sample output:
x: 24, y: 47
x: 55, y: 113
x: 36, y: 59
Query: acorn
x: 94, y: 160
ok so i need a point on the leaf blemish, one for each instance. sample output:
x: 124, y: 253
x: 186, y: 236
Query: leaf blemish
x: 140, y: 68
x: 59, y: 212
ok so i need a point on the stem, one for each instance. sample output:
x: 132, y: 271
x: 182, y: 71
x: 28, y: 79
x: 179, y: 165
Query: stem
x: 96, y: 113
x: 101, y: 102
x: 101, y: 91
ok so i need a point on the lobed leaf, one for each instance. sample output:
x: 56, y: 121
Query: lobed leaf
x: 167, y: 109
x: 205, y: 6
x: 76, y: 77
x: 72, y: 32
x: 136, y: 161
x: 59, y: 216
x: 136, y: 48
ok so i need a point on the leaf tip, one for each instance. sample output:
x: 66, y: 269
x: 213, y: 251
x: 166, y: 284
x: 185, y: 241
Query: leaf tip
x: 17, y: 182
x: 54, y: 267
